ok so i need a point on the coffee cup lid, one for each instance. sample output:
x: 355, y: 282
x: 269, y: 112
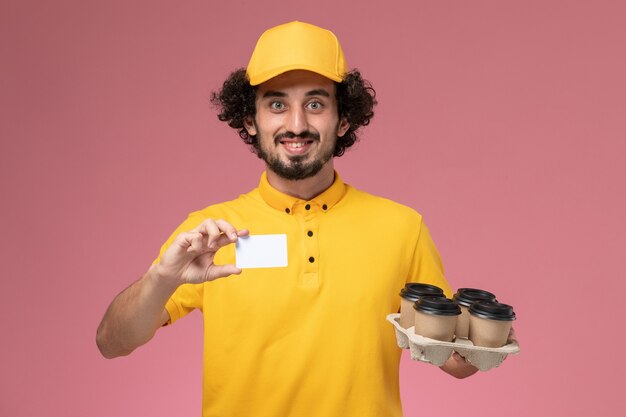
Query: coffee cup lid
x: 467, y: 296
x: 492, y: 310
x: 438, y: 306
x: 413, y: 291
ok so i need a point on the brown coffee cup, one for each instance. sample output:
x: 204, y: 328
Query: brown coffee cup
x: 409, y: 295
x: 435, y: 318
x: 465, y: 297
x: 490, y: 323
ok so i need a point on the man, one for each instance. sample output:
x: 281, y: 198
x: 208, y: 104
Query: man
x: 308, y: 339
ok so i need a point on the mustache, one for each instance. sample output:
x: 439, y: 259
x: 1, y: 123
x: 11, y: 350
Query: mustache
x: 303, y: 135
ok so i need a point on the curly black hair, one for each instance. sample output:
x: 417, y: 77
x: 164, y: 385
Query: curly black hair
x: 355, y: 102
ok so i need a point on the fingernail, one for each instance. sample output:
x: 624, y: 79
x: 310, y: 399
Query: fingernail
x: 233, y: 235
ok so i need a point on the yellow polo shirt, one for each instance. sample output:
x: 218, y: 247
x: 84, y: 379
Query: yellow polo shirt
x: 309, y: 339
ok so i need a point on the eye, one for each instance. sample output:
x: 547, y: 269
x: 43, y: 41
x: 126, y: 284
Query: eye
x: 277, y: 105
x: 315, y: 105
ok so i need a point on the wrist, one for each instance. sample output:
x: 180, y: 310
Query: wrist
x: 162, y: 280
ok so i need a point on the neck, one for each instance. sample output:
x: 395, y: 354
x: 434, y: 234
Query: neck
x: 307, y: 188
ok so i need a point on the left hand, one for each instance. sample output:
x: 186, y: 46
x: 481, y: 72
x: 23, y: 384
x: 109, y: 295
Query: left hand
x: 458, y: 367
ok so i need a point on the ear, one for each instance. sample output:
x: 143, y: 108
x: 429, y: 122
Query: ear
x: 343, y: 127
x: 248, y: 124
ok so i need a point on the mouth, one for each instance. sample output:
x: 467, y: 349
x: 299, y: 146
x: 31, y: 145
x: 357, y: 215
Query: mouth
x: 296, y: 146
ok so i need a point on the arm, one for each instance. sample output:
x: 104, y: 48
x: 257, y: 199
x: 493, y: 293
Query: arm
x: 134, y: 316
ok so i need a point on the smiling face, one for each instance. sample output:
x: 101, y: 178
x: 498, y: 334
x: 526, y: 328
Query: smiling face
x: 297, y: 124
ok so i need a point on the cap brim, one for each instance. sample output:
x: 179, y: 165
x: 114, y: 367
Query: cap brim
x: 261, y: 78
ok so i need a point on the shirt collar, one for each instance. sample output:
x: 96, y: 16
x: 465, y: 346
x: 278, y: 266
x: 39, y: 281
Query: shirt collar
x: 286, y: 203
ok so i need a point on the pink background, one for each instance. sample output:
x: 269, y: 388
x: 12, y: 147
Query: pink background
x: 503, y: 123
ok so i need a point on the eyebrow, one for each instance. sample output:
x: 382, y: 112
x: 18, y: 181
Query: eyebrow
x: 316, y: 92
x: 274, y: 94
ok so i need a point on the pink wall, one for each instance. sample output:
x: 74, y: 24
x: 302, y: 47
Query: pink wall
x: 502, y: 122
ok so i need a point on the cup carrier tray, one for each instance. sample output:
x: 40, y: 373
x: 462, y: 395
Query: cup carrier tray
x: 437, y: 352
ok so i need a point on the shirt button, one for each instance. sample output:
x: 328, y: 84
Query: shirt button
x: 287, y: 211
x: 311, y: 259
x: 324, y: 207
x: 308, y: 207
x: 309, y: 233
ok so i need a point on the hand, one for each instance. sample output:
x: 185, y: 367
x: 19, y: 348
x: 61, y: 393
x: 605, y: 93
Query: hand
x: 512, y: 338
x: 189, y: 259
x: 458, y: 367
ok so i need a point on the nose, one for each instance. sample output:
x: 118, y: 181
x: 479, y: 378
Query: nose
x: 296, y: 120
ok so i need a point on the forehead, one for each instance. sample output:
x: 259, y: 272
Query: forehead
x: 294, y: 83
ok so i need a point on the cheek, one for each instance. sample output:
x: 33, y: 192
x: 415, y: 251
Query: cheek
x: 326, y: 124
x: 268, y: 123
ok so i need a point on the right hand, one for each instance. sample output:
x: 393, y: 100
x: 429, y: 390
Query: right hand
x: 189, y: 259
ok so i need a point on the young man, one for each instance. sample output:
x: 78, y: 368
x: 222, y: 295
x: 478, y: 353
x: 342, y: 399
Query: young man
x: 309, y: 338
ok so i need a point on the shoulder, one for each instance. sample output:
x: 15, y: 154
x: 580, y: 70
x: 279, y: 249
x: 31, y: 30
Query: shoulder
x: 364, y: 201
x: 227, y: 209
x: 382, y: 212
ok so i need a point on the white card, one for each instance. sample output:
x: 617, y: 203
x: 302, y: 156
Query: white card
x: 261, y: 251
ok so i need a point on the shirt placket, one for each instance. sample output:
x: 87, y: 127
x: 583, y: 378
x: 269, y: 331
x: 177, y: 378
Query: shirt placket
x: 309, y: 225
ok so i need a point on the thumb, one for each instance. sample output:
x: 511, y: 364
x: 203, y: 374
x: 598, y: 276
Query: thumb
x: 221, y: 271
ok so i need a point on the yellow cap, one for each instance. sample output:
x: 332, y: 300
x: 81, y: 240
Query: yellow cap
x: 296, y: 46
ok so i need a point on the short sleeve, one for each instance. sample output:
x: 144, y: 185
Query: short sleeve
x: 185, y: 299
x: 426, y: 266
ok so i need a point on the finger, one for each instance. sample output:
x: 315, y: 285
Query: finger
x: 221, y: 271
x: 195, y: 239
x: 222, y: 241
x: 210, y: 229
x: 185, y: 240
x: 243, y: 232
x: 228, y: 229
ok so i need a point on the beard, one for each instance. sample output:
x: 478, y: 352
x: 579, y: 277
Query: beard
x: 296, y: 168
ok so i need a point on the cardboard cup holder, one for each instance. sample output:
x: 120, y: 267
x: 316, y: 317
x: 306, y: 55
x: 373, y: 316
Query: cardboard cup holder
x: 437, y: 352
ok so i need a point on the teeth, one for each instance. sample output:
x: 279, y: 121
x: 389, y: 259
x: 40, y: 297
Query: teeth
x: 296, y: 144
